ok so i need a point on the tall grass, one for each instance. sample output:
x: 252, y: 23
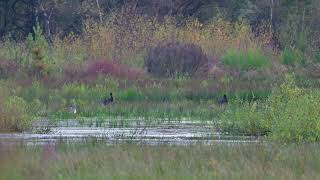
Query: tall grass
x: 219, y: 161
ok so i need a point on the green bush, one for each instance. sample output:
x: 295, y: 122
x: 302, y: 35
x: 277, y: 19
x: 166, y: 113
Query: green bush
x: 292, y: 57
x: 14, y: 51
x: 293, y: 113
x: 14, y: 115
x: 245, y: 60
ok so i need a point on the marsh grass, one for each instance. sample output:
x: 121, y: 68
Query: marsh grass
x: 93, y: 160
x: 184, y: 97
x: 148, y: 110
x: 251, y: 59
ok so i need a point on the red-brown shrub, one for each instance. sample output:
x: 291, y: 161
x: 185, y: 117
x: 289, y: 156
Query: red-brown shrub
x: 110, y: 68
x: 94, y: 69
x: 175, y: 58
x: 73, y: 71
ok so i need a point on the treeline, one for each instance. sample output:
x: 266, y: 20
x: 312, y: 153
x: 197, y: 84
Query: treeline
x: 293, y: 23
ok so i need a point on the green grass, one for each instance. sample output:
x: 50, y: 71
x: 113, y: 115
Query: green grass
x: 147, y: 110
x: 251, y: 59
x: 129, y: 161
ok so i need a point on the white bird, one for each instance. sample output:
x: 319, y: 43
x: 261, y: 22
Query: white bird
x: 73, y: 109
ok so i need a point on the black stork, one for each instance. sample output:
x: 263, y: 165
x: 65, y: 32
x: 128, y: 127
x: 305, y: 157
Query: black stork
x: 107, y: 100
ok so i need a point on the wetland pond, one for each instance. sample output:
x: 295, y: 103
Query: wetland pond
x: 181, y: 132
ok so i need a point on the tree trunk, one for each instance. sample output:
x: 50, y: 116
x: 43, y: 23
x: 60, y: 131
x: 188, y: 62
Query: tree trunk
x: 47, y: 29
x: 99, y: 10
x: 271, y: 18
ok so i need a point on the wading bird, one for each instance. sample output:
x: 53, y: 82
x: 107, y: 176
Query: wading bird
x: 107, y: 100
x: 224, y: 100
x: 73, y: 109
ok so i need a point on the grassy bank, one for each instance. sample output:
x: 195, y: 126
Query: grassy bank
x: 220, y: 161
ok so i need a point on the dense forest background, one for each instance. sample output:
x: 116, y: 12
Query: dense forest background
x: 292, y: 22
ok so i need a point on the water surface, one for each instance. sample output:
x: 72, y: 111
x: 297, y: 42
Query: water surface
x: 132, y: 131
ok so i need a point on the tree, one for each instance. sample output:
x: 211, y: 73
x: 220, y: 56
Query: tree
x: 17, y: 17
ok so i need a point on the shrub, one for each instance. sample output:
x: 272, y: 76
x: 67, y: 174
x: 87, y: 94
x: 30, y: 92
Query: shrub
x: 299, y: 119
x: 292, y: 57
x: 293, y: 113
x: 176, y: 59
x: 243, y: 118
x: 290, y: 114
x: 13, y: 114
x: 105, y: 67
x: 72, y: 71
x: 245, y: 60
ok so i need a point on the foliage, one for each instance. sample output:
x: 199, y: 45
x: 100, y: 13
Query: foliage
x: 13, y: 114
x: 38, y: 48
x: 245, y: 60
x: 290, y: 114
x: 176, y: 59
x: 293, y: 113
x: 292, y: 57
